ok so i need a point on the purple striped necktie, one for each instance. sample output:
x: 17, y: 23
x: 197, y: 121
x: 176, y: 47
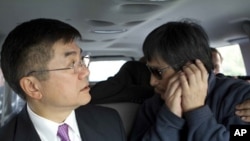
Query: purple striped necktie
x: 62, y: 132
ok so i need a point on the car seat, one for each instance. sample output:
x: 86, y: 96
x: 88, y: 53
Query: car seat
x: 127, y: 112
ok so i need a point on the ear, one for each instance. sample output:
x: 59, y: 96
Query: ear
x: 30, y: 86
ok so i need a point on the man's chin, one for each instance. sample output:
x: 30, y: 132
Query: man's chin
x: 85, y: 99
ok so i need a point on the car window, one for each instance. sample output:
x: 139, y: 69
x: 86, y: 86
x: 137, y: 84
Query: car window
x: 101, y: 70
x: 232, y: 64
x: 102, y: 67
x: 10, y: 102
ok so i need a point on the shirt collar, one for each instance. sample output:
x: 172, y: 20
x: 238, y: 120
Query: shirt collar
x: 47, y: 129
x: 71, y: 121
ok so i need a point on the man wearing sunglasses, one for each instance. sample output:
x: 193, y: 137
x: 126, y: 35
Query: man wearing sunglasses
x: 43, y: 63
x: 191, y: 103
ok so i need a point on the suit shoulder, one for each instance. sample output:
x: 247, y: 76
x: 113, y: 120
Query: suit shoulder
x: 8, y: 130
x: 98, y: 114
x: 96, y: 110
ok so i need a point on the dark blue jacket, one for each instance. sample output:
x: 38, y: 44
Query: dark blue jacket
x: 208, y: 123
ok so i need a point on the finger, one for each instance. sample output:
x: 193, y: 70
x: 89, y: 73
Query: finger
x: 191, y: 72
x: 203, y: 71
x: 174, y: 102
x: 171, y: 81
x: 244, y: 105
x: 183, y: 81
x: 246, y: 119
x: 169, y: 95
x: 172, y: 86
x: 176, y: 93
x: 245, y: 113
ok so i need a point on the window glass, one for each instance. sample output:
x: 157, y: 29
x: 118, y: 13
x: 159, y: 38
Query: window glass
x: 232, y: 64
x: 10, y: 102
x: 101, y: 70
x: 1, y: 96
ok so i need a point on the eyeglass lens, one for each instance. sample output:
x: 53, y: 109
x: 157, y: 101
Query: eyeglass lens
x: 155, y: 72
x: 86, y: 60
x: 83, y: 63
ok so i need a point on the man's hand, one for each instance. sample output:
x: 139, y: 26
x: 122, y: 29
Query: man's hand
x: 194, y: 84
x: 172, y: 95
x: 243, y: 110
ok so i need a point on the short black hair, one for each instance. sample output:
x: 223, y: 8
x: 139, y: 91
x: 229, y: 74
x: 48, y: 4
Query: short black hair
x: 29, y: 46
x: 177, y: 43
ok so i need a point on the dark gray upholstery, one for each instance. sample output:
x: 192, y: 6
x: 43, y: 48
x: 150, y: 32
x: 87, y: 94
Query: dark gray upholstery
x: 127, y: 111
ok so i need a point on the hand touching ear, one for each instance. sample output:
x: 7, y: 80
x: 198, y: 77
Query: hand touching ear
x: 172, y: 95
x: 194, y: 85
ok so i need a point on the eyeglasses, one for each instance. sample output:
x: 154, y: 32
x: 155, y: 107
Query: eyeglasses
x: 77, y: 66
x: 157, y: 72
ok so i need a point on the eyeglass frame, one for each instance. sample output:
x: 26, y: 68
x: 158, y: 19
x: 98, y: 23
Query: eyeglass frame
x: 157, y: 72
x: 76, y: 66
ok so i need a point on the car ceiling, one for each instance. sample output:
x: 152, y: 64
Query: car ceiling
x: 223, y: 20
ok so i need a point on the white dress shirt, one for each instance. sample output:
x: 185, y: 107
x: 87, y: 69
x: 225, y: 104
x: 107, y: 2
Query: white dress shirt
x: 47, y: 129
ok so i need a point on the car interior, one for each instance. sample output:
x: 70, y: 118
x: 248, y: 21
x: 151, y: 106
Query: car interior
x: 113, y: 32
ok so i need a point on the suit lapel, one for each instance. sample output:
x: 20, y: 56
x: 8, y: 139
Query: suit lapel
x: 81, y: 125
x: 25, y: 130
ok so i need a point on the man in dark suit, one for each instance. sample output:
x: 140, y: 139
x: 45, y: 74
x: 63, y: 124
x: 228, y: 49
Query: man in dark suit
x: 52, y: 78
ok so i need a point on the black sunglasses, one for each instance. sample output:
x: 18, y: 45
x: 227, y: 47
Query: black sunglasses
x: 157, y: 72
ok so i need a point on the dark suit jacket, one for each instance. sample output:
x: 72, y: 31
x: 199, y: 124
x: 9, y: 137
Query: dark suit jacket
x: 130, y: 84
x: 95, y: 124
